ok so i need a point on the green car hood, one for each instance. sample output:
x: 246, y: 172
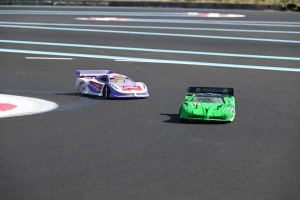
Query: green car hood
x: 214, y: 111
x: 207, y: 109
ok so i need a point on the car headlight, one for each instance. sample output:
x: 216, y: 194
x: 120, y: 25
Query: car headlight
x: 228, y: 109
x: 144, y: 86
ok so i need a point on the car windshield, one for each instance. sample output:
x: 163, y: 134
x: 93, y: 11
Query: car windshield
x: 121, y: 80
x: 206, y: 99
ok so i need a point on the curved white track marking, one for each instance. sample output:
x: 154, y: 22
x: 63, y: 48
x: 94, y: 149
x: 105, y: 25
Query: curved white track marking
x: 17, y: 106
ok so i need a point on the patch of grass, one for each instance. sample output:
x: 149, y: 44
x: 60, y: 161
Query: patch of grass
x: 284, y: 1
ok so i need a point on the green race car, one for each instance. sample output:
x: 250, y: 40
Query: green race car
x: 208, y: 104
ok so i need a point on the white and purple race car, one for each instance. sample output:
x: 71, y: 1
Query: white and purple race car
x: 109, y: 84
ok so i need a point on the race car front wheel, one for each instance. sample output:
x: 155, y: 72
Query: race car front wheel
x: 82, y: 88
x: 106, y: 92
x: 181, y: 119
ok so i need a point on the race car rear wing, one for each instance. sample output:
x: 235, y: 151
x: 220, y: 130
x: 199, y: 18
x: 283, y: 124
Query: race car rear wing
x: 92, y: 73
x: 216, y: 90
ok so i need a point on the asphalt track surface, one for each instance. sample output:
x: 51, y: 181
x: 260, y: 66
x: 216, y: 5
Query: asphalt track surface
x: 92, y: 148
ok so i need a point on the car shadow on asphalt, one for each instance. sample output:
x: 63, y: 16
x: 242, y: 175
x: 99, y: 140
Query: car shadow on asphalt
x: 77, y: 95
x: 96, y: 97
x: 174, y: 118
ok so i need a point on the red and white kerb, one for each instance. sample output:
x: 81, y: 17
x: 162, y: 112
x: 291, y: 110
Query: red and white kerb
x: 11, y: 106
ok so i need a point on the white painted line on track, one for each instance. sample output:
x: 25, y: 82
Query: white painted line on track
x: 11, y: 106
x: 101, y: 13
x: 197, y: 14
x: 153, y: 27
x: 49, y: 58
x: 150, y: 50
x: 150, y: 60
x: 210, y: 22
x: 104, y: 19
x: 154, y: 34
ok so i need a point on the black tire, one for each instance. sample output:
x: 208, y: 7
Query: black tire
x: 106, y: 92
x: 82, y: 88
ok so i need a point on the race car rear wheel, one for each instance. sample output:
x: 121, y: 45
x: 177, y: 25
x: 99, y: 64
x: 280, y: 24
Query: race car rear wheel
x: 106, y: 92
x: 82, y: 88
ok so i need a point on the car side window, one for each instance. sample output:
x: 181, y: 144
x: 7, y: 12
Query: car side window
x: 104, y: 79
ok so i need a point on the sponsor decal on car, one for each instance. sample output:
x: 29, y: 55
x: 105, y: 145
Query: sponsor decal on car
x: 95, y: 87
x: 118, y: 76
x: 132, y: 88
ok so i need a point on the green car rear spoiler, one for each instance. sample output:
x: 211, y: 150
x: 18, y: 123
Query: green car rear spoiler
x: 216, y: 90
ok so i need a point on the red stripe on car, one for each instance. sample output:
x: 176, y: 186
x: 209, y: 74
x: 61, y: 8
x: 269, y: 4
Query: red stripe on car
x: 96, y: 85
x: 132, y: 88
